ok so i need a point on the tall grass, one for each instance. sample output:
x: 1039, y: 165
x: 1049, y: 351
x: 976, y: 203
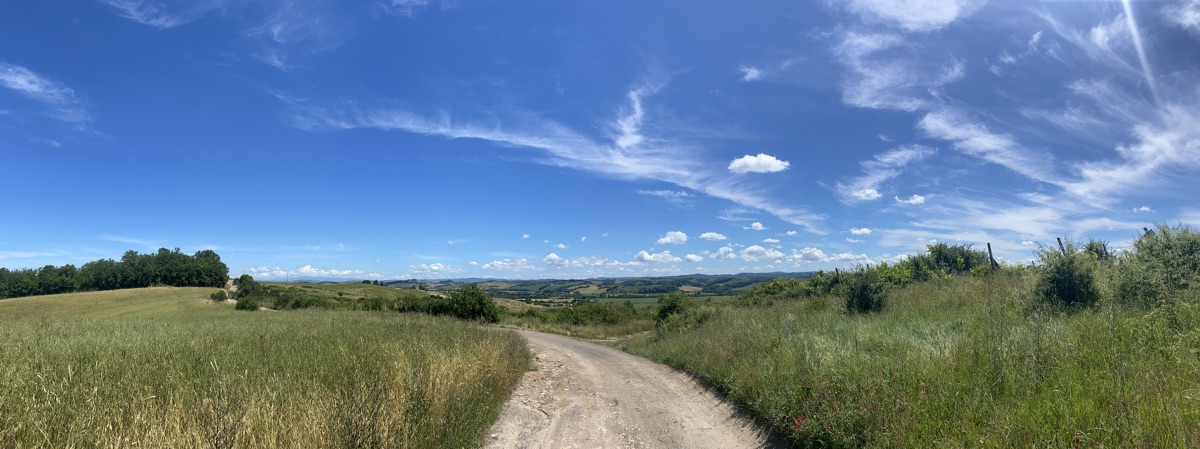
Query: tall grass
x: 165, y: 368
x: 962, y: 362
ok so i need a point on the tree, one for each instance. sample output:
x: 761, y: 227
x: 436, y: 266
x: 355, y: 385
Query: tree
x: 471, y: 302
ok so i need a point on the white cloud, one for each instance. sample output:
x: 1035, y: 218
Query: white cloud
x: 913, y: 200
x: 295, y: 28
x: 807, y: 255
x: 59, y: 98
x: 753, y: 253
x: 676, y: 197
x: 29, y: 254
x: 880, y: 169
x: 673, y: 238
x: 763, y: 163
x: 309, y: 272
x: 1143, y: 209
x: 665, y: 256
x: 661, y: 158
x: 874, y: 81
x: 163, y: 15
x: 693, y: 258
x: 431, y: 270
x: 1164, y: 150
x: 755, y: 226
x: 453, y: 242
x: 770, y: 240
x: 473, y: 263
x: 561, y: 246
x: 725, y: 252
x: 554, y: 260
x: 977, y: 140
x: 583, y: 239
x: 509, y: 265
x: 860, y: 231
x: 712, y: 236
x: 914, y: 15
x: 1186, y: 14
x: 629, y: 126
x: 406, y: 8
x: 816, y: 255
x: 750, y: 73
x: 1028, y: 243
x: 524, y: 236
x: 848, y: 239
x: 791, y: 233
x: 866, y: 194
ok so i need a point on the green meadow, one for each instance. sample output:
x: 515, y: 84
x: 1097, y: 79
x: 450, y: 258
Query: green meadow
x: 165, y: 367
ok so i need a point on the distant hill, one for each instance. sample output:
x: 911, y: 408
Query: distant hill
x: 697, y: 284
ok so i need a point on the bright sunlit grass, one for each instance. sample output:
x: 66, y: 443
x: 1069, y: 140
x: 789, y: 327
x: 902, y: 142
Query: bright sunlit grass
x: 165, y: 368
x: 965, y: 362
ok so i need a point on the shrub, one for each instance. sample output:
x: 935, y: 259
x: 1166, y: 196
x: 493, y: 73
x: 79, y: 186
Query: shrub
x: 671, y: 304
x: 1067, y: 278
x: 247, y: 303
x: 865, y: 291
x: 689, y: 318
x: 470, y: 302
x: 219, y: 295
x: 1161, y: 263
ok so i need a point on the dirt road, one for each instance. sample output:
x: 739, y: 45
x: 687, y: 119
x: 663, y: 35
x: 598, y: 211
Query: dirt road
x: 588, y: 396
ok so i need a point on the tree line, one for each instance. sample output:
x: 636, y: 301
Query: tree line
x: 134, y: 270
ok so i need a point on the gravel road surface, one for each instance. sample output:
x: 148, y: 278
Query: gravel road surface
x: 584, y: 395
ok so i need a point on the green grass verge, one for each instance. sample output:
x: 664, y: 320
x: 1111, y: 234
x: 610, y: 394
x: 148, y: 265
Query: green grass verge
x: 163, y: 367
x: 963, y: 362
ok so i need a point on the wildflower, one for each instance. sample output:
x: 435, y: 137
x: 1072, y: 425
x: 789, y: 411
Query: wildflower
x: 798, y: 422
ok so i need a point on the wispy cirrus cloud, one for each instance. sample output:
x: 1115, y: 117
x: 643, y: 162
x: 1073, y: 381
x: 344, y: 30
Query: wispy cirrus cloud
x: 144, y: 243
x: 295, y: 27
x: 404, y: 8
x: 61, y: 100
x: 163, y: 14
x: 677, y: 198
x: 629, y: 155
x: 878, y: 170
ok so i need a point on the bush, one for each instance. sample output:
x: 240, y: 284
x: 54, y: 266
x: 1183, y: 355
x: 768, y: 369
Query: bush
x: 671, y: 304
x: 1067, y: 279
x: 865, y: 291
x: 219, y: 296
x: 247, y: 303
x: 1161, y: 263
x: 470, y: 302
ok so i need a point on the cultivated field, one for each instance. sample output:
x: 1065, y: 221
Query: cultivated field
x: 163, y: 367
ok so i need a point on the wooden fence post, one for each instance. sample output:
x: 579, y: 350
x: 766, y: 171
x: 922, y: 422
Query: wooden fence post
x: 992, y: 258
x: 1061, y: 247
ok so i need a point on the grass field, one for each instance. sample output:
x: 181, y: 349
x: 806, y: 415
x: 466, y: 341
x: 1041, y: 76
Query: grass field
x: 964, y: 362
x: 162, y: 367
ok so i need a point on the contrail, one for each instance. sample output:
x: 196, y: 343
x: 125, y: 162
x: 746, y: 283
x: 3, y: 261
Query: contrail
x: 1141, y: 51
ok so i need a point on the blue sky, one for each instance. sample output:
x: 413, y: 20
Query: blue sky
x: 554, y: 139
